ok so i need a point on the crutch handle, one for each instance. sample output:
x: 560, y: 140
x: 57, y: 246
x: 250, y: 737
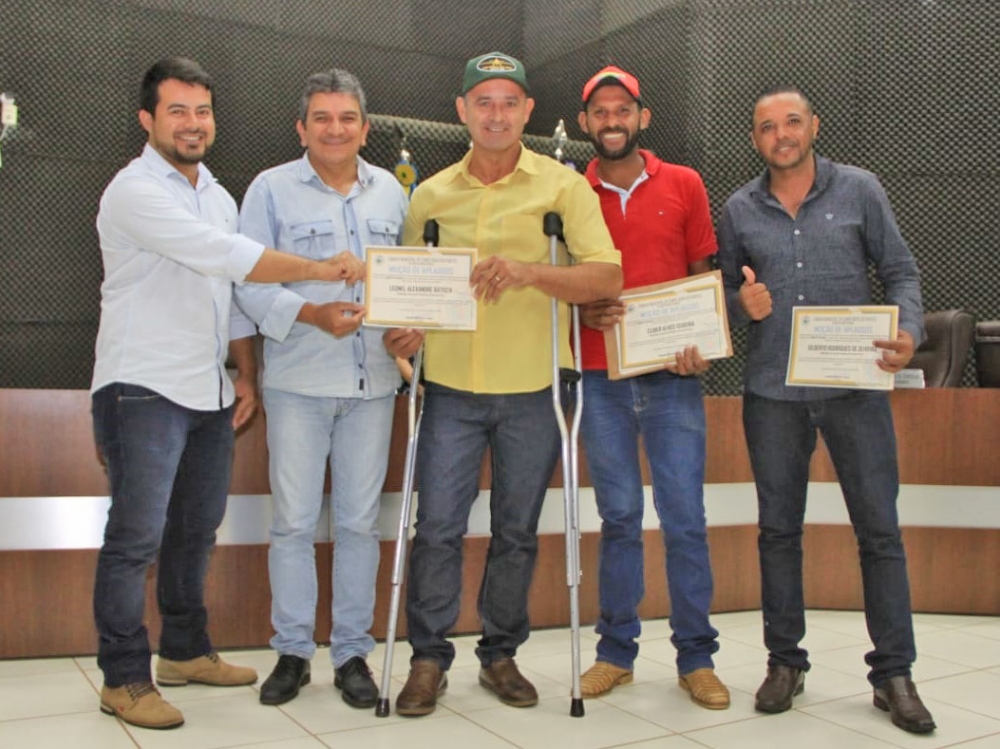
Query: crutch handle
x: 431, y: 232
x: 569, y: 376
x: 552, y: 225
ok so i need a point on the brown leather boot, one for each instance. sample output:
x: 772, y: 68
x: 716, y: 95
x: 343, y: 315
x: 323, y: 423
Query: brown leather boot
x: 206, y: 669
x: 782, y: 683
x: 503, y: 679
x: 140, y: 705
x: 426, y: 682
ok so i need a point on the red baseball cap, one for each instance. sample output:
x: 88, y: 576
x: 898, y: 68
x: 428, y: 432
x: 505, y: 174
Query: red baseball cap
x: 612, y: 74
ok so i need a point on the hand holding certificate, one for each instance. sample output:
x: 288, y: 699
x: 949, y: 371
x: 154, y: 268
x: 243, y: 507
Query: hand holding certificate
x: 833, y: 347
x: 665, y: 318
x: 420, y: 287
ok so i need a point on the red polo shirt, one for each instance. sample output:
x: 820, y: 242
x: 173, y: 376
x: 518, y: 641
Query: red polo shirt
x: 666, y: 227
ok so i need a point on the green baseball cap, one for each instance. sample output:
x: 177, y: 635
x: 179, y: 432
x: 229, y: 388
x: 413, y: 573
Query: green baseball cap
x: 493, y: 65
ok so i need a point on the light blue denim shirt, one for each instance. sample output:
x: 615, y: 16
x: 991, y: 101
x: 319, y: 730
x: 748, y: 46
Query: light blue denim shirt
x: 820, y: 258
x: 171, y: 254
x: 290, y: 208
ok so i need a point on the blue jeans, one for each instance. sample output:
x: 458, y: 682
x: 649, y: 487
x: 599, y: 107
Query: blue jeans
x: 668, y: 413
x: 302, y: 433
x: 858, y: 431
x: 457, y: 426
x: 168, y: 467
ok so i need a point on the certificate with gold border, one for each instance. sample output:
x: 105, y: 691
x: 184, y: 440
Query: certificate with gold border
x: 420, y: 287
x: 665, y: 318
x: 833, y: 347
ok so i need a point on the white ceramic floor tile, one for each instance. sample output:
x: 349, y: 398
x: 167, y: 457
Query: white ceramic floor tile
x: 978, y: 691
x: 90, y: 730
x: 851, y: 660
x: 224, y: 722
x: 989, y: 628
x: 791, y: 729
x: 549, y: 725
x: 668, y: 742
x: 35, y: 667
x: 308, y: 742
x: 419, y: 733
x: 559, y: 669
x: 954, y: 724
x: 846, y: 622
x: 946, y: 621
x: 46, y: 694
x: 736, y: 619
x: 987, y: 742
x: 551, y: 642
x: 667, y: 705
x: 655, y: 629
x: 733, y: 653
x: 962, y: 647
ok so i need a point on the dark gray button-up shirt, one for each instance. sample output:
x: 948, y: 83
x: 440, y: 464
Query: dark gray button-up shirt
x: 818, y: 258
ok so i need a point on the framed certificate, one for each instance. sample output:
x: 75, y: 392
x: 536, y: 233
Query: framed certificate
x: 665, y: 318
x: 420, y: 287
x: 832, y: 347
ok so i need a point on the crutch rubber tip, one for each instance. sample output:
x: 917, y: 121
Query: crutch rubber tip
x: 576, y: 707
x: 382, y: 707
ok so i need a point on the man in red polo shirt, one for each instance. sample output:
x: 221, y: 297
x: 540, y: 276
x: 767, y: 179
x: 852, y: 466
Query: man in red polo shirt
x: 659, y: 218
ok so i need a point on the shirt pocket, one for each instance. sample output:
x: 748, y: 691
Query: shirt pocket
x: 314, y: 239
x: 383, y: 232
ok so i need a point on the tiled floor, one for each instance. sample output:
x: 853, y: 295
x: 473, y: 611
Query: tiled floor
x: 52, y: 703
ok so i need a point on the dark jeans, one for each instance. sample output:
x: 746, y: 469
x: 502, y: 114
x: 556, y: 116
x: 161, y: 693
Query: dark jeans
x: 169, y: 469
x: 858, y: 431
x: 457, y: 426
x: 668, y: 414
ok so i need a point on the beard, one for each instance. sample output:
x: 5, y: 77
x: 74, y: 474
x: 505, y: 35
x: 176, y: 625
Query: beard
x: 632, y: 140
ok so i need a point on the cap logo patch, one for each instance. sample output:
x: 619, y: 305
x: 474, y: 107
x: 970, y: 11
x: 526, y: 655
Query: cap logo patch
x: 496, y: 64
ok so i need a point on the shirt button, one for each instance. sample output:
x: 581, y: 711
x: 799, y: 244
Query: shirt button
x: 352, y: 232
x: 797, y: 232
x: 801, y: 297
x: 798, y: 265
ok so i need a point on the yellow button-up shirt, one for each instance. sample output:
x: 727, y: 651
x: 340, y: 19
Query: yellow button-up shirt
x: 511, y: 349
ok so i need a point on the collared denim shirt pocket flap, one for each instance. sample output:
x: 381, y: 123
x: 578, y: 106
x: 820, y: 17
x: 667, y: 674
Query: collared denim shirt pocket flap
x: 314, y: 239
x: 383, y: 231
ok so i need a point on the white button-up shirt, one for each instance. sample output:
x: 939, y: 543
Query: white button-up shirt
x: 171, y: 254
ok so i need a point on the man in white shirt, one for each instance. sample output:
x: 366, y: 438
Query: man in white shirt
x: 163, y: 404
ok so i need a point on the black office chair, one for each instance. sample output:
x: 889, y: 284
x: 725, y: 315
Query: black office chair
x: 988, y: 353
x: 943, y: 355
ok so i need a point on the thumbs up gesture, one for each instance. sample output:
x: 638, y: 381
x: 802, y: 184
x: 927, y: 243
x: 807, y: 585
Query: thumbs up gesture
x: 754, y: 297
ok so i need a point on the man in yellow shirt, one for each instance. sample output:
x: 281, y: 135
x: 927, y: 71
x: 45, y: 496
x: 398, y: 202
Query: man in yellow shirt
x: 490, y: 387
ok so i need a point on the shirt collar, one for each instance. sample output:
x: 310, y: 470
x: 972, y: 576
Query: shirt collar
x: 760, y: 188
x: 652, y: 167
x: 163, y: 168
x: 307, y: 172
x: 526, y: 162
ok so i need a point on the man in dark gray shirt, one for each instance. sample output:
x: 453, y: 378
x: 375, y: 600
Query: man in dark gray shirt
x: 803, y: 233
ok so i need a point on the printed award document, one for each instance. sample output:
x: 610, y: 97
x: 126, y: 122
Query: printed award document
x: 665, y: 318
x: 832, y: 346
x: 420, y: 287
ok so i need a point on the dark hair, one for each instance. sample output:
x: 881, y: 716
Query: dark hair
x: 782, y: 88
x: 333, y: 81
x: 179, y: 68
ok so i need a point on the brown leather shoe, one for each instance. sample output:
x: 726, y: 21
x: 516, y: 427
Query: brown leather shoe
x: 706, y: 688
x: 898, y: 696
x: 782, y: 683
x: 426, y: 682
x: 140, y: 705
x: 206, y: 669
x: 503, y: 679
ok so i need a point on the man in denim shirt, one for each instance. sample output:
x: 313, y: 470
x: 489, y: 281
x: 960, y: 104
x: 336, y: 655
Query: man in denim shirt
x: 329, y: 384
x: 803, y: 233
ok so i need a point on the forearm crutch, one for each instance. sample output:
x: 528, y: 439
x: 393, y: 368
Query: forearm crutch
x: 413, y: 417
x: 570, y: 459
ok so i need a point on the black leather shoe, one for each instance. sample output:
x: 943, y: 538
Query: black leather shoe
x: 289, y: 675
x: 898, y: 696
x: 782, y: 683
x: 354, y: 680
